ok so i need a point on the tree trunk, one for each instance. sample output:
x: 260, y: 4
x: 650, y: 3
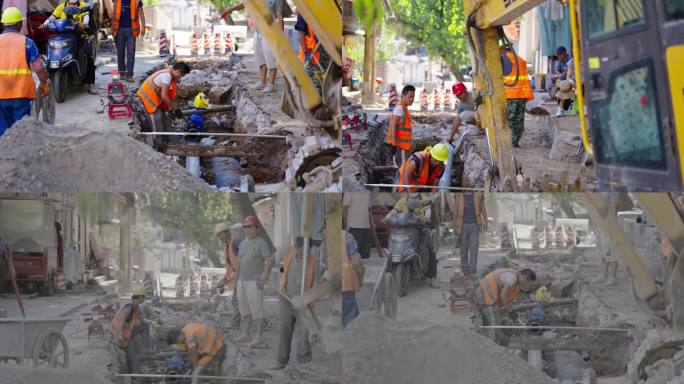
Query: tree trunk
x: 369, y: 66
x: 125, y: 223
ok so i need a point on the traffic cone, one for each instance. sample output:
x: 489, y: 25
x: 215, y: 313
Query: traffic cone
x: 559, y: 237
x: 204, y: 286
x: 217, y: 44
x: 163, y: 44
x: 193, y: 286
x: 534, y: 238
x: 206, y: 45
x: 504, y: 236
x: 447, y: 100
x: 548, y: 237
x: 214, y: 282
x: 229, y: 45
x: 149, y: 286
x: 435, y: 97
x: 194, y: 50
x: 59, y: 279
x: 180, y: 287
x: 423, y: 100
x: 173, y: 45
x: 570, y: 236
x: 392, y: 96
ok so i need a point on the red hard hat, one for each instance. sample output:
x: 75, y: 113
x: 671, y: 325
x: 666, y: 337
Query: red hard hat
x: 250, y: 221
x: 458, y: 88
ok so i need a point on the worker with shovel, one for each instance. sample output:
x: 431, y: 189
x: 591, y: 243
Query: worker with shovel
x: 18, y: 56
x: 227, y: 234
x: 497, y: 290
x: 203, y: 345
x: 157, y: 93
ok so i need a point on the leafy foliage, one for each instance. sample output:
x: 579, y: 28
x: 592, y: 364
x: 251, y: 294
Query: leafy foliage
x: 369, y: 12
x: 384, y: 48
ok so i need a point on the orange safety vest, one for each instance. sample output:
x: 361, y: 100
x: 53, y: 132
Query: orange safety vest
x: 208, y: 340
x: 150, y: 94
x: 135, y: 23
x: 231, y: 264
x: 16, y: 81
x: 121, y: 326
x: 351, y: 282
x: 310, y: 47
x: 424, y: 177
x: 522, y: 88
x: 459, y: 218
x: 402, y: 137
x: 490, y: 287
x: 287, y: 262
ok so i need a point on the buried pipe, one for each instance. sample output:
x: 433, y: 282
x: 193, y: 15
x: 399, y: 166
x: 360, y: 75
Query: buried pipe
x: 426, y: 186
x: 550, y: 327
x: 534, y: 358
x: 161, y: 376
x: 212, y: 134
x: 225, y: 169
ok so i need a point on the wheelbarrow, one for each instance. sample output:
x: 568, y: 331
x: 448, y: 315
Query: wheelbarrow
x: 378, y: 292
x: 41, y: 340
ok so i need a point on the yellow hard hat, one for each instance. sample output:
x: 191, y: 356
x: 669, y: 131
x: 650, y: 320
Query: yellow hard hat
x: 440, y: 152
x: 12, y: 15
x: 543, y: 294
x: 138, y: 290
x: 220, y: 227
x: 201, y: 101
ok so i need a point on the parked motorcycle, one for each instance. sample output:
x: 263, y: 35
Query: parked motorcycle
x: 412, y: 243
x: 67, y: 53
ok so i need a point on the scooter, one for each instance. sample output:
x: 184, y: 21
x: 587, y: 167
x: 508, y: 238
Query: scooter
x: 411, y: 244
x: 66, y: 52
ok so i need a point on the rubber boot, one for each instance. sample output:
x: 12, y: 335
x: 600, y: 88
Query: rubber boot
x: 246, y: 329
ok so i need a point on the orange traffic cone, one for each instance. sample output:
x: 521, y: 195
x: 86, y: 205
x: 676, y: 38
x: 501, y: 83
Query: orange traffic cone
x: 448, y: 106
x: 393, y: 96
x: 163, y: 44
x: 423, y: 100
x: 229, y: 45
x: 206, y: 44
x: 217, y: 44
x: 194, y: 50
x: 435, y: 97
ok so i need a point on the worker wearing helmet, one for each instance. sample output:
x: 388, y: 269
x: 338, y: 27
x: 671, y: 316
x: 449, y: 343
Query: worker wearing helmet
x: 227, y: 234
x: 254, y: 254
x: 130, y: 330
x: 18, y: 56
x: 423, y: 168
x: 465, y: 109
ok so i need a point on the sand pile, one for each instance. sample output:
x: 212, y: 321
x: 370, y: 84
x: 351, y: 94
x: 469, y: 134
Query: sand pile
x: 381, y: 350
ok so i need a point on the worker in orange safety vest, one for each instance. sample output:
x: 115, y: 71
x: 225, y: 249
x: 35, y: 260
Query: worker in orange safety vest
x: 352, y: 278
x: 128, y: 22
x: 18, y: 56
x: 157, y: 93
x: 423, y: 168
x: 518, y: 91
x: 497, y: 290
x: 130, y: 330
x: 399, y: 132
x: 230, y: 236
x: 203, y: 345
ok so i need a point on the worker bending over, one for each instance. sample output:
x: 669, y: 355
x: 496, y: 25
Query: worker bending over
x: 465, y: 109
x: 203, y: 346
x: 423, y: 168
x: 157, y: 93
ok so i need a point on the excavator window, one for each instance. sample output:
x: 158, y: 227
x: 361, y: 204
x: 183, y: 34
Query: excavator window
x: 674, y: 10
x: 607, y: 16
x: 628, y: 121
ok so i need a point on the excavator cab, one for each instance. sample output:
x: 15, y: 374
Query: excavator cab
x: 633, y: 52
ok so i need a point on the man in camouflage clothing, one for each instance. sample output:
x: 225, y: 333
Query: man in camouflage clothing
x: 518, y: 90
x: 516, y: 118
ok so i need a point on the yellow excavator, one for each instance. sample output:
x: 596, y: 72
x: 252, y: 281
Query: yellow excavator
x: 660, y: 357
x: 631, y: 54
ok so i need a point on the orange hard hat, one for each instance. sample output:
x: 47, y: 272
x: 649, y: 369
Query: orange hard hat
x: 250, y: 221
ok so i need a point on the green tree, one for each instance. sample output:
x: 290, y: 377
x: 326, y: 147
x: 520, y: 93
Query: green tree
x: 384, y: 48
x: 438, y: 25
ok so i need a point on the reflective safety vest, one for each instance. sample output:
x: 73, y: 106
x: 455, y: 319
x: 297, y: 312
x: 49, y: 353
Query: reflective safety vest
x: 208, y: 341
x: 287, y: 262
x: 401, y: 136
x: 309, y: 47
x: 135, y: 23
x: 458, y: 223
x: 421, y: 176
x: 60, y: 14
x: 522, y: 89
x: 231, y: 264
x: 351, y: 282
x: 121, y: 326
x: 16, y: 81
x: 150, y: 94
x: 490, y: 287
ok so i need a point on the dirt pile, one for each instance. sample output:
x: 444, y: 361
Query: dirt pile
x: 38, y: 157
x: 381, y: 350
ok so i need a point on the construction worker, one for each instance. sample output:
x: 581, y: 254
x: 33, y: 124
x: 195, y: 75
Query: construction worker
x: 18, y: 55
x: 352, y: 278
x: 253, y: 254
x: 465, y: 109
x: 137, y: 277
x: 423, y: 168
x: 128, y: 22
x: 470, y: 218
x: 312, y: 54
x: 203, y: 345
x: 157, y: 93
x: 22, y: 6
x: 291, y: 284
x: 130, y: 330
x: 497, y: 290
x: 518, y: 90
x: 84, y: 19
x: 399, y: 133
x: 224, y: 232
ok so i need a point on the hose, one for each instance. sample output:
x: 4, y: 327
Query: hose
x: 479, y: 60
x: 507, y: 43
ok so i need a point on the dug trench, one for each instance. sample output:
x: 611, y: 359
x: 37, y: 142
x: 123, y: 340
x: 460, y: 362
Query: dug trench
x: 547, y: 158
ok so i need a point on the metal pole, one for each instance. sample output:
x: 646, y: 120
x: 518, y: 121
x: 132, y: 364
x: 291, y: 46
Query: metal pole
x: 151, y: 375
x: 210, y: 134
x: 425, y: 186
x: 550, y: 327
